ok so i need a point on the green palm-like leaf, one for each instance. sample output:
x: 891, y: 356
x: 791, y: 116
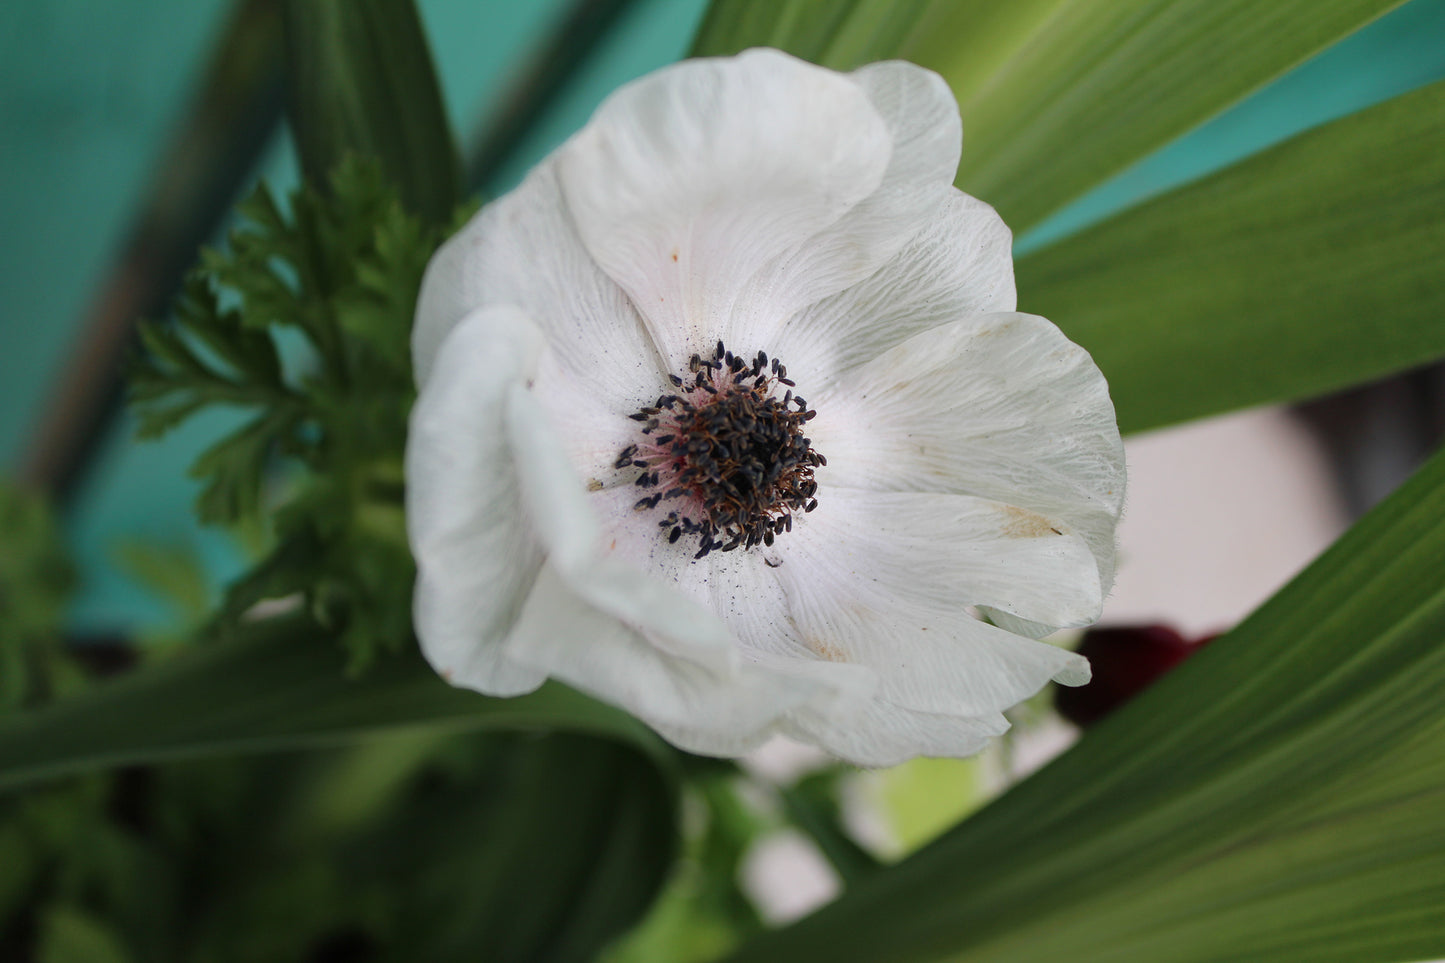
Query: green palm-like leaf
x: 1309, y: 267
x: 1087, y: 87
x: 361, y: 82
x: 1277, y: 798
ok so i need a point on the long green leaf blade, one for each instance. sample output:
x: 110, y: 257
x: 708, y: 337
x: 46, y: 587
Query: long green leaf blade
x: 1310, y: 267
x: 841, y: 34
x: 1275, y: 799
x: 276, y: 687
x: 1099, y: 84
x: 361, y: 81
x: 1057, y: 95
x: 566, y: 847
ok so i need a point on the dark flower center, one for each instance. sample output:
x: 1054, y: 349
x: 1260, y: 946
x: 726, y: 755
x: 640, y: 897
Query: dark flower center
x: 728, y: 457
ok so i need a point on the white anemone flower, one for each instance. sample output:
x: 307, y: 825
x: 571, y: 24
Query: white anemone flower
x: 726, y: 418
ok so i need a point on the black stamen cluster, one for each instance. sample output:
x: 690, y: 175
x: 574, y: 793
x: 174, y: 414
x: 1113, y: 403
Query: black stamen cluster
x: 731, y: 446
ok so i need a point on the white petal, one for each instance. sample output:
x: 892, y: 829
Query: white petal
x: 927, y: 551
x: 738, y: 586
x: 620, y: 565
x: 882, y: 580
x: 476, y: 556
x: 629, y: 619
x: 689, y: 182
x: 557, y: 505
x: 879, y: 733
x: 1001, y: 406
x: 922, y: 118
x: 932, y: 661
x: 959, y: 264
x: 695, y: 703
x: 523, y: 250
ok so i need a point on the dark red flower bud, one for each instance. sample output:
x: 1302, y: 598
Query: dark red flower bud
x: 1125, y: 660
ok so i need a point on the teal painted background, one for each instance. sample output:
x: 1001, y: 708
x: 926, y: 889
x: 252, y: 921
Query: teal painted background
x: 91, y: 89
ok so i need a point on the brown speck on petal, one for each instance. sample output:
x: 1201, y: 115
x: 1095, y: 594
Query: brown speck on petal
x: 826, y: 650
x: 1023, y: 523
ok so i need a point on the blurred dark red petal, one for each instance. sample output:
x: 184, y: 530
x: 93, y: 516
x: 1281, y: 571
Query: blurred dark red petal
x: 1125, y: 660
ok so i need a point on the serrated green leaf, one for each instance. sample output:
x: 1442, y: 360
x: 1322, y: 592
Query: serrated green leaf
x: 276, y: 685
x: 336, y: 281
x: 1310, y: 267
x: 287, y: 569
x: 1277, y: 798
x: 234, y: 468
x: 361, y: 83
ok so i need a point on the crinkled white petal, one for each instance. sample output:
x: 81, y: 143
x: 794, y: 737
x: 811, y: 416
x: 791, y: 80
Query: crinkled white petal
x: 894, y: 611
x: 958, y: 264
x: 973, y: 462
x: 922, y: 120
x: 879, y: 733
x: 591, y: 431
x: 522, y: 249
x: 1000, y: 406
x: 703, y: 707
x: 741, y: 587
x: 476, y: 555
x: 753, y: 607
x: 643, y: 629
x: 931, y: 550
x: 882, y: 579
x: 690, y: 182
x: 556, y: 503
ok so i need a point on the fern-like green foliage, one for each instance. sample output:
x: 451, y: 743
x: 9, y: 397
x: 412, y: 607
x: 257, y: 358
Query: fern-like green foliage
x: 304, y: 321
x: 36, y: 580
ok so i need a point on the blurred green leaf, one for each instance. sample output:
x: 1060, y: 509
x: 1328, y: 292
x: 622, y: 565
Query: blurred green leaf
x: 812, y: 806
x: 36, y: 576
x: 361, y: 82
x: 841, y: 34
x: 273, y: 686
x: 175, y: 575
x: 36, y: 581
x: 1277, y: 798
x: 569, y: 844
x: 924, y: 797
x: 69, y: 936
x: 1056, y: 95
x: 1306, y: 268
x: 703, y: 912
